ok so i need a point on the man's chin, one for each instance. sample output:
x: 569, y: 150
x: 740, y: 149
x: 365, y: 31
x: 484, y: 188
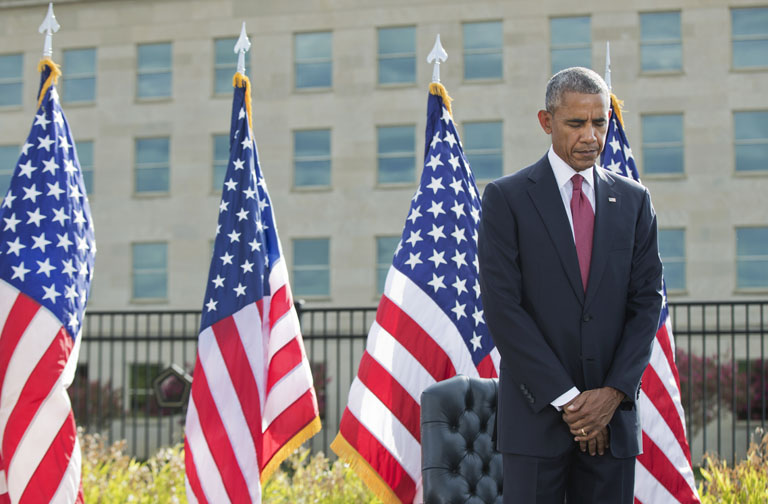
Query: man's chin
x: 583, y: 162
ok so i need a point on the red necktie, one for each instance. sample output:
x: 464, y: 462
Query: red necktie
x: 583, y: 227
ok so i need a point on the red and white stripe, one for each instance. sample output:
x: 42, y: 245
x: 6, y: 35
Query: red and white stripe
x: 252, y: 393
x: 411, y: 345
x: 39, y: 451
x: 663, y: 471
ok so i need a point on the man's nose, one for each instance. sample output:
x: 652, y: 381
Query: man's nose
x: 589, y: 133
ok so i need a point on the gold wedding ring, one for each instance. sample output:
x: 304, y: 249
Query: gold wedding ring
x: 583, y: 432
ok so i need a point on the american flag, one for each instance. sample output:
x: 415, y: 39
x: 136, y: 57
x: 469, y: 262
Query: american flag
x: 252, y: 400
x: 46, y: 265
x: 663, y: 472
x: 429, y: 324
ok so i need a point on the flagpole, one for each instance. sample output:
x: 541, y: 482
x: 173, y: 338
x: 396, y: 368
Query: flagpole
x: 44, y: 353
x: 241, y: 47
x: 431, y: 315
x: 271, y: 405
x: 664, y: 427
x: 608, y: 64
x: 437, y: 54
x: 49, y: 26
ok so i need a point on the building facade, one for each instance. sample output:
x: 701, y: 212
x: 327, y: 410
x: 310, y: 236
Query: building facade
x: 339, y: 101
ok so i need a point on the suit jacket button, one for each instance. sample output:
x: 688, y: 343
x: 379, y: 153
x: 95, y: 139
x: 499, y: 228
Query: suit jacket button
x: 587, y: 318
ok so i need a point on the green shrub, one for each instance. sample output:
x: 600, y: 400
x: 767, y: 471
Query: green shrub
x: 304, y: 480
x: 109, y: 475
x: 746, y: 483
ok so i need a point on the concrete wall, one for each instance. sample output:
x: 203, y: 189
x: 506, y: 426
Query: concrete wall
x: 709, y: 200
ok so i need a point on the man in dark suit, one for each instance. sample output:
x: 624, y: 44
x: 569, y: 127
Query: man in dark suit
x: 571, y: 283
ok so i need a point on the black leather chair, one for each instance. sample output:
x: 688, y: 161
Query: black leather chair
x: 459, y: 461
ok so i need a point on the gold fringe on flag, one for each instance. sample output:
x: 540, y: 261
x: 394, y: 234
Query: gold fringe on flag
x: 368, y: 474
x: 617, y: 104
x: 307, y: 432
x: 439, y: 90
x: 240, y: 80
x: 52, y: 79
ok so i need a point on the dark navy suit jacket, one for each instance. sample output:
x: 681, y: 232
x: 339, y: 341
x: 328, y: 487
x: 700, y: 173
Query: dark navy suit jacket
x: 551, y: 334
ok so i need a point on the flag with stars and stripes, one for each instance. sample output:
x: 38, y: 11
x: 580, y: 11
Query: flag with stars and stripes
x: 663, y: 471
x: 429, y: 324
x: 617, y: 155
x: 46, y: 265
x: 252, y: 400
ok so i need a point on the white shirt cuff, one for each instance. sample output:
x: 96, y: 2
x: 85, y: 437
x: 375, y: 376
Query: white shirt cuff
x: 565, y: 399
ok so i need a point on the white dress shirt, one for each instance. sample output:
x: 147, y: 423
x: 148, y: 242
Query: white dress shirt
x: 563, y: 173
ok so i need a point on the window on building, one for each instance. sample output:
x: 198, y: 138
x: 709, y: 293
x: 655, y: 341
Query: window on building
x: 396, y: 154
x: 385, y: 250
x: 749, y: 30
x: 141, y: 391
x: 154, y: 71
x: 79, y: 80
x: 9, y: 156
x: 312, y: 158
x: 483, y: 148
x: 662, y: 144
x: 661, y: 47
x: 752, y: 257
x: 220, y: 160
x: 483, y: 43
x: 150, y: 270
x: 11, y: 71
x: 85, y: 156
x: 570, y: 41
x: 224, y: 65
x: 397, y: 55
x: 672, y: 251
x: 311, y: 267
x: 751, y: 140
x: 312, y: 60
x: 152, y: 165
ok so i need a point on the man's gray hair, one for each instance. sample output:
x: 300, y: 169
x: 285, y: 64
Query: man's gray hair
x: 576, y: 80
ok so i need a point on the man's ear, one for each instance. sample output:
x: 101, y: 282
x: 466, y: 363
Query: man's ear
x: 545, y: 119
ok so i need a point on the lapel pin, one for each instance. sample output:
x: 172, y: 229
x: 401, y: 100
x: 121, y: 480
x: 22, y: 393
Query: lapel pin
x: 611, y: 200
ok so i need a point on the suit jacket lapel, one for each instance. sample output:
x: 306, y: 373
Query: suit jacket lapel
x: 548, y: 202
x: 606, y: 209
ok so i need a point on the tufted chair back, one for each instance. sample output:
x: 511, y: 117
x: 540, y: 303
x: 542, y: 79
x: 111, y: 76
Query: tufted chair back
x: 459, y: 461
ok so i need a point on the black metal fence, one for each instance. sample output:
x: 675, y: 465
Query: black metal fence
x: 721, y: 358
